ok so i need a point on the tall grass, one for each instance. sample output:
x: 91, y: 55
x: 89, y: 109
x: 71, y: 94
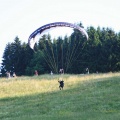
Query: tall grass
x: 85, y: 97
x: 22, y: 86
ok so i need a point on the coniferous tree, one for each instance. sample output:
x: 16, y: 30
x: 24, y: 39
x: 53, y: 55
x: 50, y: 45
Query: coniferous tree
x: 15, y: 58
x: 6, y: 62
x: 74, y: 54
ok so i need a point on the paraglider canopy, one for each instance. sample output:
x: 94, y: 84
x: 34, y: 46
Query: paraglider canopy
x: 32, y: 41
x: 59, y: 55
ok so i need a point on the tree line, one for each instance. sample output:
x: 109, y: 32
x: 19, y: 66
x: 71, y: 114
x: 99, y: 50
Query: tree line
x: 101, y: 53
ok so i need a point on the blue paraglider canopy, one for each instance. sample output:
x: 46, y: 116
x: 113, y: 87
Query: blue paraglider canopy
x: 32, y: 41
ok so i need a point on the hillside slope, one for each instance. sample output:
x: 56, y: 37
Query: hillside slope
x: 85, y: 97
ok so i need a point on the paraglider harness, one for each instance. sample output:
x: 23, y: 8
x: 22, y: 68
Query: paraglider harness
x: 61, y: 84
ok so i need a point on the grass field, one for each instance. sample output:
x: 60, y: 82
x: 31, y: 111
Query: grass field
x: 85, y: 97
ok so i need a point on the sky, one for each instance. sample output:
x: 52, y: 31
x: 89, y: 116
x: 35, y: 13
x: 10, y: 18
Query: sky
x: 21, y: 17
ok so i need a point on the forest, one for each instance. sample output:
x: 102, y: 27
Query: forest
x: 100, y: 54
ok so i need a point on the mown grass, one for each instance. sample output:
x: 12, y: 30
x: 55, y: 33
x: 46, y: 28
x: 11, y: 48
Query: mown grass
x: 85, y: 97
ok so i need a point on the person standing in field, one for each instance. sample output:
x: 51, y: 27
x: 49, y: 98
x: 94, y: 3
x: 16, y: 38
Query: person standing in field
x: 36, y: 73
x: 8, y: 74
x: 14, y: 75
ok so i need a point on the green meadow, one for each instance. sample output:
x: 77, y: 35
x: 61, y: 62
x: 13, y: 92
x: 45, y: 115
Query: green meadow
x: 84, y: 97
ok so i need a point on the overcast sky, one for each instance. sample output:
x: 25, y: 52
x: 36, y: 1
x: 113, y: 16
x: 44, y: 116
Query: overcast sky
x: 21, y: 17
